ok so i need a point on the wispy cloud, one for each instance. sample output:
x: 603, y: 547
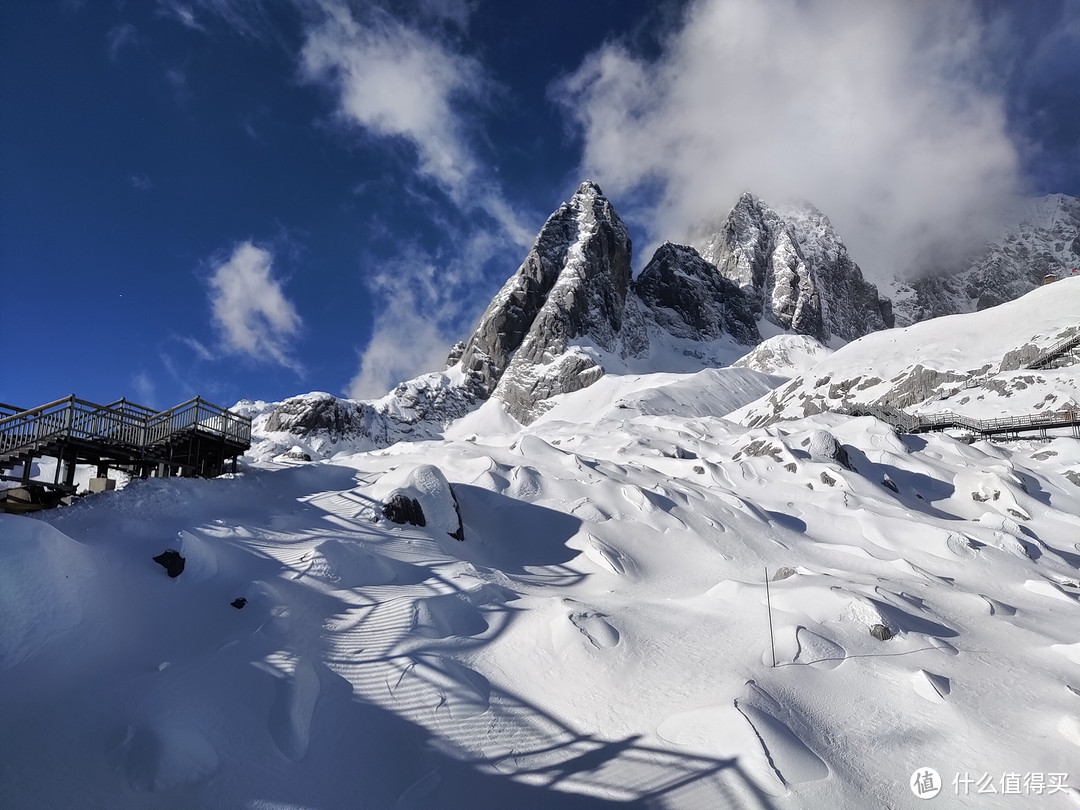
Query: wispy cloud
x: 250, y: 310
x: 403, y: 81
x: 145, y: 390
x: 876, y: 112
x: 397, y: 72
x: 120, y: 37
x: 424, y: 308
x: 184, y: 13
x: 140, y: 182
x: 395, y: 81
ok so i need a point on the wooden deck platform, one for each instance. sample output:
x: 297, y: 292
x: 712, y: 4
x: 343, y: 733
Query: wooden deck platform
x: 195, y: 438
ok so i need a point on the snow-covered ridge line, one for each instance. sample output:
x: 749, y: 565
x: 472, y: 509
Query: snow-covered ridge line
x: 929, y: 364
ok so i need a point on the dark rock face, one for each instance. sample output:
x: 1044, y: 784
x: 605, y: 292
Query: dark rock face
x: 402, y: 509
x: 573, y: 284
x: 881, y: 632
x: 171, y: 561
x: 691, y: 299
x: 510, y: 315
x: 458, y: 533
x: 300, y: 415
x: 760, y: 252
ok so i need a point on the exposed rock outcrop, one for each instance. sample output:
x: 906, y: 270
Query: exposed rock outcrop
x: 1042, y: 237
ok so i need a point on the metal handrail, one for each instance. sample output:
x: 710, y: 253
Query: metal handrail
x: 120, y: 423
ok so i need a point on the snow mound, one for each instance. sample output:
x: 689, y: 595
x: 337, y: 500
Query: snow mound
x: 426, y: 484
x: 785, y: 355
x: 45, y: 579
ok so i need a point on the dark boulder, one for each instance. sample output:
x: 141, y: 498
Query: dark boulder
x: 402, y: 509
x: 881, y: 632
x: 171, y: 561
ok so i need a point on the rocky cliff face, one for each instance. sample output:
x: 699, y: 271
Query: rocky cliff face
x: 570, y: 290
x: 755, y: 248
x: 850, y: 305
x: 795, y: 270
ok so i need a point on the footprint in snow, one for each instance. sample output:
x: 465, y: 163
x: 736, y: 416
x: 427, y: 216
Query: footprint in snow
x: 605, y: 556
x: 596, y: 628
x: 637, y: 498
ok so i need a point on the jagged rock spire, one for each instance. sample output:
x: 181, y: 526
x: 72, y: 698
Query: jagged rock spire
x: 572, y: 285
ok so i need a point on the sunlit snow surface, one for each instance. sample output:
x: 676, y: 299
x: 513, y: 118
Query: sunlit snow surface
x: 600, y: 638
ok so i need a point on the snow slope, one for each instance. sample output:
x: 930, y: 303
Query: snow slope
x: 932, y: 359
x: 599, y: 639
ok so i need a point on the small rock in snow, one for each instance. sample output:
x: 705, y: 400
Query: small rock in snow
x: 171, y: 561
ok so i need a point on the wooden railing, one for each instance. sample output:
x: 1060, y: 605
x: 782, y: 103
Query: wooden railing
x: 121, y: 424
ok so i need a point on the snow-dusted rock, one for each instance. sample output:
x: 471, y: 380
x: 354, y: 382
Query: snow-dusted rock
x: 427, y: 487
x: 850, y: 305
x: 759, y: 251
x: 319, y: 424
x: 785, y: 355
x: 963, y: 363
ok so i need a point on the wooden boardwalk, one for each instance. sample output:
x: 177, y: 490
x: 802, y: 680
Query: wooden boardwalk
x: 195, y: 438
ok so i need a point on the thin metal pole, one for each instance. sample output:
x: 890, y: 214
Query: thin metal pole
x: 768, y: 604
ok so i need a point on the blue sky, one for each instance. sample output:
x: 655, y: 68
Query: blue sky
x: 237, y: 198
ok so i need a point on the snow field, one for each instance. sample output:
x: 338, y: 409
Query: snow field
x: 601, y: 635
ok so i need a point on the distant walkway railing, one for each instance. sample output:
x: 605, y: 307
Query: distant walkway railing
x: 947, y: 420
x: 1059, y: 349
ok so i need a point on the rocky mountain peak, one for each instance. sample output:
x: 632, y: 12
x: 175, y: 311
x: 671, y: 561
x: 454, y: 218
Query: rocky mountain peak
x: 571, y: 286
x: 1041, y: 237
x: 759, y: 251
x: 850, y: 305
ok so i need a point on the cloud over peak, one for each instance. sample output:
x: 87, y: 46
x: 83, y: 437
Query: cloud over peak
x: 879, y: 113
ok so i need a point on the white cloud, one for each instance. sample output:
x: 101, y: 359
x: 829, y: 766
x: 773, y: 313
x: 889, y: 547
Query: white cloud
x: 875, y: 112
x: 181, y: 12
x: 420, y: 313
x: 395, y: 81
x: 250, y: 310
